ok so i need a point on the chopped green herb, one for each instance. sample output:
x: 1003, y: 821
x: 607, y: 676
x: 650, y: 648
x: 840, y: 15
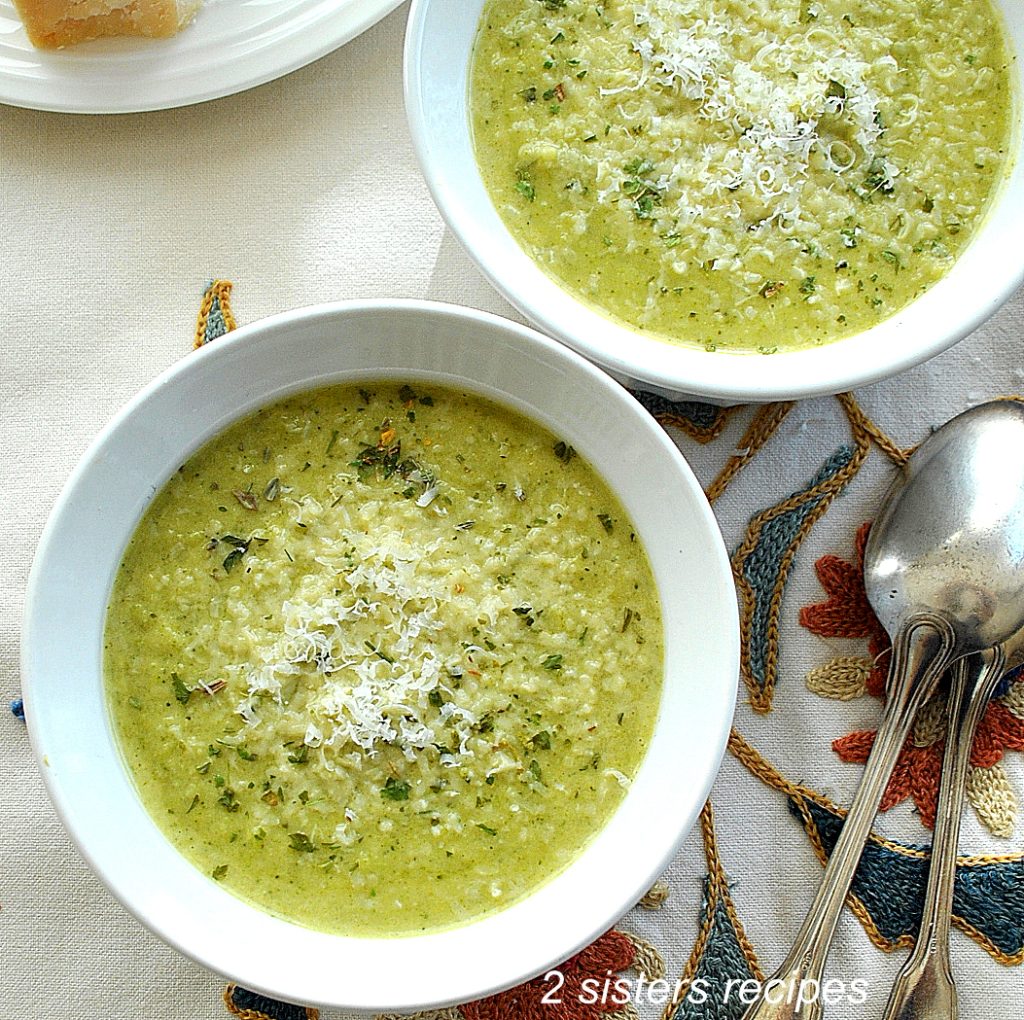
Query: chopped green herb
x: 526, y: 189
x: 646, y: 193
x: 181, y: 692
x: 240, y: 546
x: 384, y: 457
x: 300, y: 756
x: 564, y: 452
x: 552, y: 662
x: 395, y: 789
x: 526, y: 612
x: 301, y: 842
x: 879, y: 177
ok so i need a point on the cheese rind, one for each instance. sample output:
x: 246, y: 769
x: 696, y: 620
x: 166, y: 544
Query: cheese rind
x: 52, y: 24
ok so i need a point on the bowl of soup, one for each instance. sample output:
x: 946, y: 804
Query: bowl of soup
x: 741, y: 203
x: 365, y: 648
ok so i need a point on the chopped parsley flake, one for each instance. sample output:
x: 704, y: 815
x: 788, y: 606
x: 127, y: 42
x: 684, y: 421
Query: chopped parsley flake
x: 301, y: 842
x: 181, y: 692
x: 395, y: 789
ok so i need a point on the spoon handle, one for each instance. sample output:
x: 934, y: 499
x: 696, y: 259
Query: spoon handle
x: 921, y: 652
x: 924, y: 988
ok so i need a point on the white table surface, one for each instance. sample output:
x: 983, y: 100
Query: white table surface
x: 306, y: 190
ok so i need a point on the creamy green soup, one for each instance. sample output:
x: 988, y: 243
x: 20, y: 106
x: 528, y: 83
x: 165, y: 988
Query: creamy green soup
x: 742, y: 174
x: 383, y: 659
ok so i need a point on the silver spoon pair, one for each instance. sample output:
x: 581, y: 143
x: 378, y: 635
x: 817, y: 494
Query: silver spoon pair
x: 944, y: 573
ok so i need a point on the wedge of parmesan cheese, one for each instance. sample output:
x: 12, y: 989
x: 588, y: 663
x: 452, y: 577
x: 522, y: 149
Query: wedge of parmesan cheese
x: 52, y: 24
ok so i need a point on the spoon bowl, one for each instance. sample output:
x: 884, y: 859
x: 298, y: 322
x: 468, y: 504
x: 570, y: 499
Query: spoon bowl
x: 950, y: 539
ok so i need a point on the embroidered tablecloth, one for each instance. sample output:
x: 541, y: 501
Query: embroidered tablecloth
x: 306, y: 190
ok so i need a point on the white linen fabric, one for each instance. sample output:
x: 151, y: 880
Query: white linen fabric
x: 306, y: 190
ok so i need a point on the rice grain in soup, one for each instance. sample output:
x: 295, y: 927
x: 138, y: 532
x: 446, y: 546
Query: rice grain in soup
x: 383, y: 659
x: 742, y: 174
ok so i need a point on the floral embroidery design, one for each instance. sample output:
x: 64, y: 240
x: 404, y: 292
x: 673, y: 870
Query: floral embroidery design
x: 846, y: 613
x: 601, y: 960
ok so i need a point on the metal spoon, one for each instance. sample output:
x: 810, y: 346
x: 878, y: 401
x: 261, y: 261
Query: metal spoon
x: 944, y: 572
x: 924, y: 988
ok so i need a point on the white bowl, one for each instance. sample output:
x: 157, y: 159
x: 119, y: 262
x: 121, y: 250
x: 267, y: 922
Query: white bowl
x: 94, y: 517
x: 439, y: 41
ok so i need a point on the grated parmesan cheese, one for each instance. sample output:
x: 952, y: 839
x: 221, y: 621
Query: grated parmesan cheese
x: 769, y: 114
x: 366, y: 696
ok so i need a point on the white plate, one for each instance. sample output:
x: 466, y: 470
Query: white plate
x: 232, y: 45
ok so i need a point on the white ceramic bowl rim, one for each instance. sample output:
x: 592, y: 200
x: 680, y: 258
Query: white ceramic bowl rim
x: 109, y: 489
x: 439, y: 38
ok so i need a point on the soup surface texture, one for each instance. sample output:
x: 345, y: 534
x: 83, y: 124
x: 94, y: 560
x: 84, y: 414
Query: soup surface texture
x: 383, y: 659
x: 742, y: 174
